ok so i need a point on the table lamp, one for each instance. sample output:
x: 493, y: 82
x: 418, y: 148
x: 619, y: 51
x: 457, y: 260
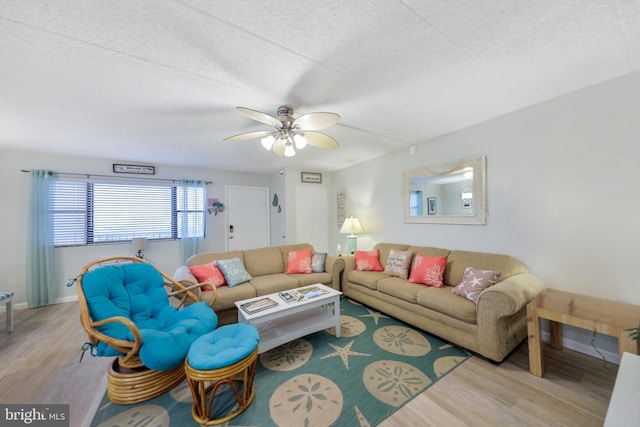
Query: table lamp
x: 352, y: 225
x: 139, y: 244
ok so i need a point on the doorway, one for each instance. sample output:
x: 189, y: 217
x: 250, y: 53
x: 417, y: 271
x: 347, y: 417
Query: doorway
x: 247, y: 217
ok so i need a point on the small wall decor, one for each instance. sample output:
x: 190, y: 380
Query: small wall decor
x: 313, y: 177
x: 137, y: 169
x: 215, y: 206
x: 341, y: 202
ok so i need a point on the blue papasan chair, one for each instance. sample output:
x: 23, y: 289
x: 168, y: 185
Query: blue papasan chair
x: 143, y: 318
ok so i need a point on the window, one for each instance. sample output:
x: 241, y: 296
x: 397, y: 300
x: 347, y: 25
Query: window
x: 86, y: 213
x: 415, y: 203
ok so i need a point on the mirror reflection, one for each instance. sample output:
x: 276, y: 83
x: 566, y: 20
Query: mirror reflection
x: 446, y: 193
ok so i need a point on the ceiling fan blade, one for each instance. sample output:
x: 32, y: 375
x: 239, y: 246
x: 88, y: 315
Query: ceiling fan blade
x: 248, y: 135
x: 261, y: 117
x: 316, y: 121
x: 320, y: 140
x: 278, y: 148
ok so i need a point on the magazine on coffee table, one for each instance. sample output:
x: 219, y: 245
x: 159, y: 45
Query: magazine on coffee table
x: 290, y: 296
x: 258, y: 305
x: 311, y: 292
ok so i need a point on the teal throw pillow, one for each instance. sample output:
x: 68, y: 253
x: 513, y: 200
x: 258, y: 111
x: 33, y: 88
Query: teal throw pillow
x: 234, y: 271
x: 317, y: 262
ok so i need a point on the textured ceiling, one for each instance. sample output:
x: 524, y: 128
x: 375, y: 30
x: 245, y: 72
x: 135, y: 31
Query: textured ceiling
x: 158, y: 81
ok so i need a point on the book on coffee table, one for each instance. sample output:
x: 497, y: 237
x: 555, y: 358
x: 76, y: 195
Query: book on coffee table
x: 258, y: 305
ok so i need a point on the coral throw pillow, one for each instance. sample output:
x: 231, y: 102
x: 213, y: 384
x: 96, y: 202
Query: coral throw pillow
x: 208, y: 273
x: 428, y: 270
x: 299, y: 262
x: 368, y: 260
x: 474, y: 281
x: 398, y: 263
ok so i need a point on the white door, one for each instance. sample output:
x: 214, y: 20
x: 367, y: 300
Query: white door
x: 247, y: 217
x: 312, y: 224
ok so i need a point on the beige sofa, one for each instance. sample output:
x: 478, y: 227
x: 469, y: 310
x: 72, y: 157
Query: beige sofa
x: 492, y: 328
x: 267, y: 267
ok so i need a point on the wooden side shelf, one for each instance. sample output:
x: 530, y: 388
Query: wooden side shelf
x: 595, y: 314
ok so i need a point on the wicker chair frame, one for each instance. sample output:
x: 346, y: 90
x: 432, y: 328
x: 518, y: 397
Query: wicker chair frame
x: 129, y: 380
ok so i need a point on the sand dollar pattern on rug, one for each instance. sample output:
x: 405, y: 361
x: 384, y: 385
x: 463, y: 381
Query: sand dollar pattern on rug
x: 349, y: 327
x: 402, y: 340
x: 393, y: 382
x: 306, y: 400
x: 287, y: 357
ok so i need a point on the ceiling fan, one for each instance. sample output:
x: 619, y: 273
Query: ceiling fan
x: 290, y: 131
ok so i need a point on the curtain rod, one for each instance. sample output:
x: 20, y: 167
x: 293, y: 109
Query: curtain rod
x: 116, y: 176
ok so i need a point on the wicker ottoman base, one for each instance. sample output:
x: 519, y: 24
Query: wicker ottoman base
x: 127, y: 386
x: 238, y: 376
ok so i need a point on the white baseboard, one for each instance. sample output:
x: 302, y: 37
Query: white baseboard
x: 24, y: 305
x: 586, y: 348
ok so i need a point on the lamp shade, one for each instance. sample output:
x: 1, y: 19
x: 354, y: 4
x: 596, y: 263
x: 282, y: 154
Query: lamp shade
x: 352, y: 226
x: 139, y: 243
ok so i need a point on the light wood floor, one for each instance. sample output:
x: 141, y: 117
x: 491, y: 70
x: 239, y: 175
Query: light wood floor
x: 40, y: 364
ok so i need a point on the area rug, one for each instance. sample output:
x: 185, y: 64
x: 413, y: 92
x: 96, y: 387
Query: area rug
x: 376, y: 366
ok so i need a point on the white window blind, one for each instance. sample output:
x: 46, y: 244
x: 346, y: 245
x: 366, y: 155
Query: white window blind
x: 91, y: 212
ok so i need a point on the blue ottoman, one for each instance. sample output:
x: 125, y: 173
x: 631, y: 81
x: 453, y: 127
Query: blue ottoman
x: 228, y: 355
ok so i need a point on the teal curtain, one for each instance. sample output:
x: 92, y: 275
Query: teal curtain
x: 42, y: 288
x: 191, y: 218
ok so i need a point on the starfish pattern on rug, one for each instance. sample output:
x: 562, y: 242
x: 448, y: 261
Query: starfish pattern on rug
x: 375, y: 315
x: 344, y: 353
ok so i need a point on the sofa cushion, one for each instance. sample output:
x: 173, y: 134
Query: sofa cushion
x: 318, y: 260
x: 263, y: 261
x: 474, y: 282
x: 234, y: 271
x: 208, y: 273
x: 428, y: 270
x: 458, y: 261
x: 398, y: 263
x: 299, y: 262
x: 312, y: 279
x: 368, y: 279
x: 207, y: 257
x: 271, y: 283
x: 400, y: 288
x: 227, y: 296
x: 444, y: 301
x: 368, y: 260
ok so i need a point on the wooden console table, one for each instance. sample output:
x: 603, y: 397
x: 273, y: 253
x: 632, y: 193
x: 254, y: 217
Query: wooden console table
x: 595, y: 314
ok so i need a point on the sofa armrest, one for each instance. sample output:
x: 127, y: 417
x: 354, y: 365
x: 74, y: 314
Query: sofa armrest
x: 509, y: 296
x: 349, y: 265
x: 334, y: 266
x: 184, y: 276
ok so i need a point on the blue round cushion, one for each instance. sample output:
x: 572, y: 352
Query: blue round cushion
x: 223, y: 347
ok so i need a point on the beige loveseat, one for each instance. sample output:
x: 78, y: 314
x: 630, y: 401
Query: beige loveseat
x: 267, y: 267
x: 492, y: 328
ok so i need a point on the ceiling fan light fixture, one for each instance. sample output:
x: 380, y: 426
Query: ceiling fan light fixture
x: 288, y: 150
x: 268, y: 141
x: 289, y: 130
x: 300, y: 140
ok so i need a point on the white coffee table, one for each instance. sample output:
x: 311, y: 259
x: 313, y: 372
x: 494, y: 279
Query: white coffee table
x: 287, y: 321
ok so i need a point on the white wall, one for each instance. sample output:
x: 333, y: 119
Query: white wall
x: 563, y: 195
x: 13, y: 217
